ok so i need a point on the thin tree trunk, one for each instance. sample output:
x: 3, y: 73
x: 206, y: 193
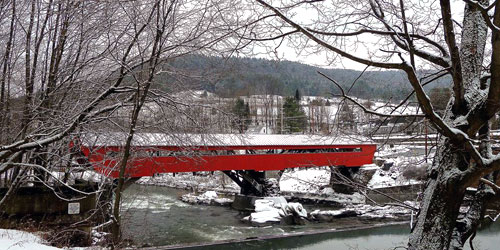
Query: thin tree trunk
x: 6, y: 62
x: 28, y: 84
x: 139, y: 102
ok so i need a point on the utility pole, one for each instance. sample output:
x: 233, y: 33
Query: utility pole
x: 281, y: 127
x: 426, y: 153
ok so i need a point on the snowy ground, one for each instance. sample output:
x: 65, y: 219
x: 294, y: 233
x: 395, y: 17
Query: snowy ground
x: 15, y: 239
x: 390, y: 178
x: 402, y: 159
x: 305, y: 180
x: 313, y: 183
x: 364, y: 210
x: 207, y: 198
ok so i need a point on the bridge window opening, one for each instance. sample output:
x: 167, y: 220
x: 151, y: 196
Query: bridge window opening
x: 323, y: 150
x: 143, y: 154
x: 111, y: 154
x: 151, y: 153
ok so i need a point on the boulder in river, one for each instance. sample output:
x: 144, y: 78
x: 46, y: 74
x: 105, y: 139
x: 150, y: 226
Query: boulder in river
x: 328, y: 216
x: 294, y: 213
x: 365, y: 211
x: 207, y: 198
x: 387, y: 165
x: 274, y: 211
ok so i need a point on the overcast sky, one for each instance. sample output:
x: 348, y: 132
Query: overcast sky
x: 287, y: 52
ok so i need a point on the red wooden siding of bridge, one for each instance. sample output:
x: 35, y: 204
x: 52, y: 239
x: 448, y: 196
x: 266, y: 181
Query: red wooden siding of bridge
x: 138, y: 166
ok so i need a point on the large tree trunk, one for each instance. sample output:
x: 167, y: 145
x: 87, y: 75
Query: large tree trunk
x: 441, y: 201
x: 445, y: 190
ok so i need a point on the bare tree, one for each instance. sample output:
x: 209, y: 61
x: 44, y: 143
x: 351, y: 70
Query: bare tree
x: 426, y: 44
x: 73, y: 67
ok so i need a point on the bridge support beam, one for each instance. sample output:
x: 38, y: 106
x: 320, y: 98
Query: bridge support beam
x: 349, y: 179
x: 253, y: 182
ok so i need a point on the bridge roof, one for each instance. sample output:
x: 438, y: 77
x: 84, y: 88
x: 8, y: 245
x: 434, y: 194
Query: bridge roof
x: 219, y: 140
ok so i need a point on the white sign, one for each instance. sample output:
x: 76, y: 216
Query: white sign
x: 74, y: 208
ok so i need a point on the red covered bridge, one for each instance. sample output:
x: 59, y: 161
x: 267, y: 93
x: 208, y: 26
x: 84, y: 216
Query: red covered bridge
x: 170, y: 153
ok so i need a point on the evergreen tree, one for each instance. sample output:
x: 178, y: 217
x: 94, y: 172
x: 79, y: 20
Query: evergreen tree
x: 294, y: 118
x: 247, y: 113
x: 241, y: 112
x: 347, y: 116
x: 297, y: 95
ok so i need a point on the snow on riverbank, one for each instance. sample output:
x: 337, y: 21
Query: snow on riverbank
x: 16, y: 240
x: 272, y: 210
x: 393, y: 178
x: 402, y: 166
x: 305, y: 180
x: 388, y: 151
x: 314, y: 182
x: 364, y: 210
x: 207, y: 198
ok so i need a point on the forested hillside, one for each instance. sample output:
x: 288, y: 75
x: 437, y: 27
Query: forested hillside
x: 246, y: 76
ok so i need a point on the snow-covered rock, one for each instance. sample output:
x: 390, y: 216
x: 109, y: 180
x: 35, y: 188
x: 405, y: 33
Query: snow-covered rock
x: 278, y: 201
x: 330, y: 215
x: 271, y: 210
x: 367, y: 211
x: 263, y: 218
x: 327, y: 191
x: 207, y: 198
x: 222, y: 202
x: 209, y: 195
x: 294, y: 214
x: 394, y: 175
x: 264, y: 205
x: 295, y: 209
x: 99, y: 237
x: 265, y: 213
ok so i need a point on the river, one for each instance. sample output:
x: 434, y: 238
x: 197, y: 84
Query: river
x: 153, y: 216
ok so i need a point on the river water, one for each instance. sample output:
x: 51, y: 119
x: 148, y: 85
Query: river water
x: 153, y: 216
